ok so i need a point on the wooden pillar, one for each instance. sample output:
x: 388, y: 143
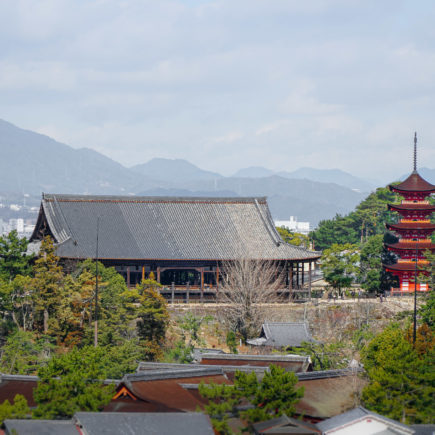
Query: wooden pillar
x: 309, y: 280
x: 290, y: 287
x: 303, y: 274
x: 172, y: 292
x: 158, y: 274
x: 202, y: 284
x: 143, y: 273
x: 217, y: 278
x: 128, y: 276
x: 297, y: 275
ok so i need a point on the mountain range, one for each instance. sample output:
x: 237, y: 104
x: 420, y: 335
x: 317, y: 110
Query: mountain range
x: 32, y: 163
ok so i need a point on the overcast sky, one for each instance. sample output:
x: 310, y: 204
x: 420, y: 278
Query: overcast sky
x: 226, y: 84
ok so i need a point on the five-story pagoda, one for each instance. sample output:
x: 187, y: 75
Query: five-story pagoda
x: 414, y: 229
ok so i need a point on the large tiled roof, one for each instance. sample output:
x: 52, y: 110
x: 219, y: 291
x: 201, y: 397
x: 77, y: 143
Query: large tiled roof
x: 414, y: 183
x: 165, y: 228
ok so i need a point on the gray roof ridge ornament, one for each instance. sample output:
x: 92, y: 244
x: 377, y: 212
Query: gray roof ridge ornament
x: 415, y: 152
x: 275, y: 240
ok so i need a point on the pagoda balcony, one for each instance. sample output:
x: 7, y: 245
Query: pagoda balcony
x: 414, y: 221
x: 424, y: 202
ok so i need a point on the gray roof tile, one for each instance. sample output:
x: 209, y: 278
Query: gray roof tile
x: 279, y: 334
x: 153, y: 423
x: 165, y: 228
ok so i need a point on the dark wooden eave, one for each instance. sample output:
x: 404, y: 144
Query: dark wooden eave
x: 414, y: 183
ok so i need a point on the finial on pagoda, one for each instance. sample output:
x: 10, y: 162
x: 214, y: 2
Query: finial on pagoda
x: 415, y: 151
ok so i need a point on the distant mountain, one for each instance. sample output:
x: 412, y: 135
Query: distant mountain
x: 312, y: 200
x: 253, y: 172
x: 336, y: 176
x: 34, y: 163
x: 173, y: 170
x: 188, y: 193
x: 426, y: 173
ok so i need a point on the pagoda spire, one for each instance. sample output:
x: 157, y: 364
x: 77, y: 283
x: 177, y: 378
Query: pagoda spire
x: 415, y: 151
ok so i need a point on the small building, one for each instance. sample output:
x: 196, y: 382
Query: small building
x: 361, y: 421
x: 294, y: 225
x: 291, y: 363
x: 183, y: 241
x: 282, y: 334
x: 285, y: 425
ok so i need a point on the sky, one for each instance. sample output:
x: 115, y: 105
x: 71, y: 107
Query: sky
x: 226, y: 84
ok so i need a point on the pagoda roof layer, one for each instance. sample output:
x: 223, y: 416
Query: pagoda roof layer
x: 414, y: 183
x: 404, y: 266
x: 411, y: 226
x: 164, y: 228
x: 412, y: 207
x: 412, y: 246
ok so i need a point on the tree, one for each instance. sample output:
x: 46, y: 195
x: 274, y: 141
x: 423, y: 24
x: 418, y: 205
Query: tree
x: 190, y: 326
x: 72, y: 382
x: 366, y: 220
x: 371, y: 274
x: 245, y: 287
x: 293, y: 238
x: 339, y: 265
x: 152, y: 313
x: 22, y: 353
x: 271, y: 397
x: 19, y: 409
x: 13, y: 258
x: 47, y: 288
x: 401, y: 382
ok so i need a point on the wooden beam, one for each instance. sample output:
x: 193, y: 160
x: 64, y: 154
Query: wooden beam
x: 309, y: 280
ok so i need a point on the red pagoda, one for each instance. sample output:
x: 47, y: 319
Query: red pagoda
x: 414, y: 229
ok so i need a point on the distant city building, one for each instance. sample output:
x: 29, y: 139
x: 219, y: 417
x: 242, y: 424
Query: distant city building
x: 22, y: 227
x: 294, y: 225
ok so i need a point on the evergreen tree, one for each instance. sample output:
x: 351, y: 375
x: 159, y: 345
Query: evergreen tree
x: 401, y: 382
x: 72, y: 382
x: 47, y: 288
x: 271, y: 397
x: 339, y: 265
x: 19, y: 409
x: 13, y: 258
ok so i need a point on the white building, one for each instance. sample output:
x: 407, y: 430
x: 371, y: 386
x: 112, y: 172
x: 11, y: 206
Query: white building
x: 294, y: 225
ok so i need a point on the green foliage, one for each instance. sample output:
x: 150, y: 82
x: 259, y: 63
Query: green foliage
x: 22, y: 353
x: 13, y: 258
x: 190, y: 326
x: 293, y: 238
x: 401, y: 383
x: 17, y: 410
x: 152, y: 313
x: 368, y: 219
x: 72, y: 382
x: 427, y: 311
x: 371, y: 275
x: 339, y: 265
x: 271, y: 397
x: 323, y: 356
x: 47, y: 288
x: 231, y: 341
